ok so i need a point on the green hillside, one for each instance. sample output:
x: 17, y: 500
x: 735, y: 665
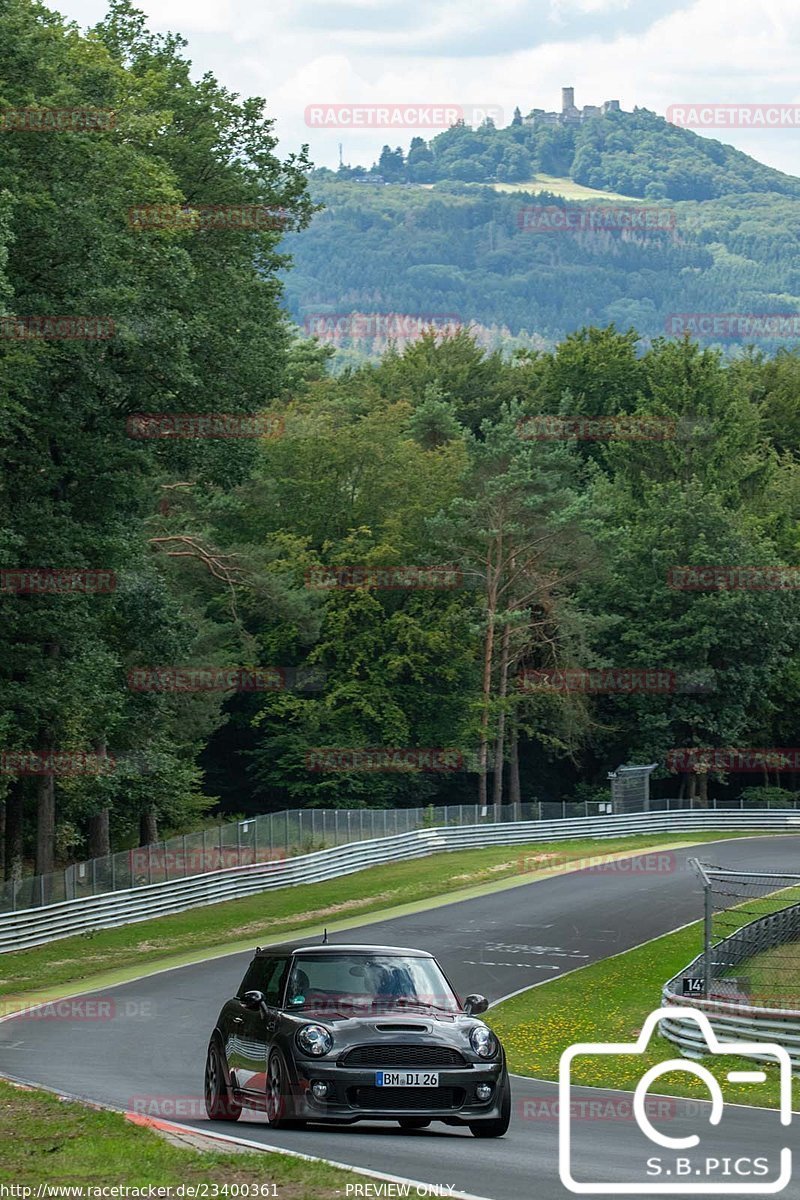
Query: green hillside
x: 468, y: 250
x: 634, y: 153
x: 455, y: 227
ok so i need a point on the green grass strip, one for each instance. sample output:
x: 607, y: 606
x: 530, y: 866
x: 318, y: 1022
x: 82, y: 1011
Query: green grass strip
x: 103, y: 957
x: 609, y: 1002
x: 51, y: 1141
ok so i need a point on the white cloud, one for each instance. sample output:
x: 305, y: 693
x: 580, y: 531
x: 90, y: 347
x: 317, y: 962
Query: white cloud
x: 560, y: 8
x: 201, y: 16
x: 651, y: 53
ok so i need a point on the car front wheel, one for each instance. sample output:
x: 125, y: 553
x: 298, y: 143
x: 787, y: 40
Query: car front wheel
x: 276, y: 1091
x: 220, y: 1104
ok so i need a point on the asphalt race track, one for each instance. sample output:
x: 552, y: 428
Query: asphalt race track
x: 151, y: 1054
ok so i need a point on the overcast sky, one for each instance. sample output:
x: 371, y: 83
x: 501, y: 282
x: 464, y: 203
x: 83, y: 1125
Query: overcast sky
x: 651, y: 53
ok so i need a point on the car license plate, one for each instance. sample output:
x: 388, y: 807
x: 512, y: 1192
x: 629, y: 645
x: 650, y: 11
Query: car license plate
x: 407, y: 1079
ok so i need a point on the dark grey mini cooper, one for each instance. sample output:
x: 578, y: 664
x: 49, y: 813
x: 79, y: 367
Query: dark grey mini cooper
x: 352, y: 1033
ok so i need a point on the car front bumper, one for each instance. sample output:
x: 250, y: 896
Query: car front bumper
x: 354, y: 1096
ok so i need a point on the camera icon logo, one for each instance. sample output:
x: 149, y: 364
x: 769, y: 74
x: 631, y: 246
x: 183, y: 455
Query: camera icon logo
x: 687, y: 1175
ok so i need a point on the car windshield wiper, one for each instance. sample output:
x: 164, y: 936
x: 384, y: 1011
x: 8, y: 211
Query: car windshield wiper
x: 405, y: 1001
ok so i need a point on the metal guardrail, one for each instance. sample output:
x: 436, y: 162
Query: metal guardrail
x: 732, y: 1019
x: 279, y: 835
x: 260, y: 839
x: 741, y: 1023
x: 34, y: 926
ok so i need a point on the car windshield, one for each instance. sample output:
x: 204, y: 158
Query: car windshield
x: 367, y: 982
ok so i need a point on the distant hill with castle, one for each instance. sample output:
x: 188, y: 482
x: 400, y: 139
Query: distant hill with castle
x: 599, y: 146
x: 443, y: 232
x: 570, y: 114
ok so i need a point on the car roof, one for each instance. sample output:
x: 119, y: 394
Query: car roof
x: 342, y: 948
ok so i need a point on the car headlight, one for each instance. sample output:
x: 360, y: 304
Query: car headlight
x: 315, y: 1039
x: 483, y: 1041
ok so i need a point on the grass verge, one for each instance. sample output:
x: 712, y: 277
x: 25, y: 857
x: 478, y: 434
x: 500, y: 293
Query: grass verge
x: 559, y: 186
x: 112, y: 955
x: 62, y: 1143
x: 773, y: 975
x: 609, y: 1002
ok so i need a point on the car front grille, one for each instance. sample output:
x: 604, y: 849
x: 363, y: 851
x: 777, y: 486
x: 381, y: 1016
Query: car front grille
x: 405, y: 1099
x: 399, y: 1055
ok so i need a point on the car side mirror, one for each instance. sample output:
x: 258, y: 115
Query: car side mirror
x: 253, y: 999
x: 475, y: 1004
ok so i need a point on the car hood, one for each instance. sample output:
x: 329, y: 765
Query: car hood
x: 443, y: 1028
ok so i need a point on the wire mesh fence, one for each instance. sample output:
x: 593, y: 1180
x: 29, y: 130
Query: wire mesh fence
x: 254, y: 840
x: 284, y: 835
x: 751, y: 951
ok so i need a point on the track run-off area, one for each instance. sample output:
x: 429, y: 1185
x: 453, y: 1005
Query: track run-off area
x: 150, y: 1056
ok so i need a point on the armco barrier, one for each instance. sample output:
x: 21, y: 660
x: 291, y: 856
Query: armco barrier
x: 733, y: 1023
x: 734, y: 1020
x: 33, y: 926
x: 272, y: 836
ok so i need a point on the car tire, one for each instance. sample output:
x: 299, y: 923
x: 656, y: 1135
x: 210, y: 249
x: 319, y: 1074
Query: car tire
x: 220, y: 1104
x: 276, y: 1089
x: 498, y: 1125
x: 413, y: 1122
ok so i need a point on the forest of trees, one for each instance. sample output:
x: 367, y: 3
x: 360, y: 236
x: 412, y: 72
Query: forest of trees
x: 560, y: 549
x: 471, y: 252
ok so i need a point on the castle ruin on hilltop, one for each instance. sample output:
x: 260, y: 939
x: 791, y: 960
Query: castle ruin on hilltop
x: 570, y: 114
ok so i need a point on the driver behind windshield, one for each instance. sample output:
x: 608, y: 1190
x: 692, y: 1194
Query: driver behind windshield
x: 298, y: 987
x: 395, y: 982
